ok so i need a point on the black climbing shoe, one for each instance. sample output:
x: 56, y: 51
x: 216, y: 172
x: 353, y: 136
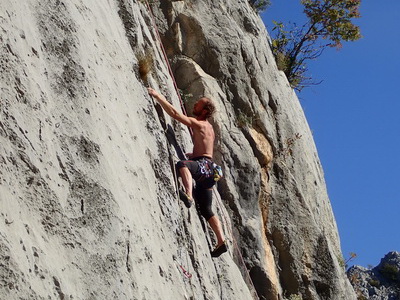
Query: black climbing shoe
x: 185, y: 198
x: 219, y: 250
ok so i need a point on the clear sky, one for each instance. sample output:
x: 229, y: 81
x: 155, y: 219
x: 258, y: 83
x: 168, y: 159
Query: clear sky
x: 355, y: 119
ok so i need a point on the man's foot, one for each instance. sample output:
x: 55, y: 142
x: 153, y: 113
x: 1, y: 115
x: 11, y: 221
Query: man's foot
x: 185, y: 198
x: 219, y: 250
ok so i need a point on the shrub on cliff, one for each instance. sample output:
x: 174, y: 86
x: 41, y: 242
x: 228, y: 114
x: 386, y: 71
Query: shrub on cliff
x: 259, y: 5
x: 329, y: 22
x: 390, y: 272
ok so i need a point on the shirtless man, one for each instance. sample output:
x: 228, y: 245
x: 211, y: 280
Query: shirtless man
x: 200, y: 165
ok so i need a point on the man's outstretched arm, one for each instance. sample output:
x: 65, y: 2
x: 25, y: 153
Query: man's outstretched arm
x: 170, y: 110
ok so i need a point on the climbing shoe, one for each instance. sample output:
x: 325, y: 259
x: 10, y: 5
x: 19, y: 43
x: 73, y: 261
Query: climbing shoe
x: 219, y: 250
x: 185, y: 198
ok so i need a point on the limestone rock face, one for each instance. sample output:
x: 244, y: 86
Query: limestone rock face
x: 379, y: 283
x: 88, y: 193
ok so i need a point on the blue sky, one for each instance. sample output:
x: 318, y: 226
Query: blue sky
x: 354, y: 117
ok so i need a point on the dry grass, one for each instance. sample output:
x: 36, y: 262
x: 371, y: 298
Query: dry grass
x: 145, y: 62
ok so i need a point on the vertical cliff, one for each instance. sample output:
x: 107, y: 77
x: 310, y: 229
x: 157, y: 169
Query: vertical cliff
x: 87, y: 190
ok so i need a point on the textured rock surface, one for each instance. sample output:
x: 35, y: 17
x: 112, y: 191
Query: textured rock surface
x: 379, y: 283
x: 88, y: 197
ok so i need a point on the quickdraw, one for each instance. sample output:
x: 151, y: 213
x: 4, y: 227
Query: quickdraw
x: 186, y: 273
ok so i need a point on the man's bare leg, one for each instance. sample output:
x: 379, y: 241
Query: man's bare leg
x: 217, y: 228
x: 187, y: 181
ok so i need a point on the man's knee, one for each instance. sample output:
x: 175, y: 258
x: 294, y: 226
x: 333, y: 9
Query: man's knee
x: 208, y: 214
x: 204, y: 198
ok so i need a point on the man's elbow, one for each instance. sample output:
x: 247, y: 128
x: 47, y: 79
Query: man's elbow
x: 174, y: 114
x: 180, y: 118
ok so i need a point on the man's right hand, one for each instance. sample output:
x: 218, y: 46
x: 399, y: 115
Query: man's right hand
x: 171, y: 111
x: 153, y: 92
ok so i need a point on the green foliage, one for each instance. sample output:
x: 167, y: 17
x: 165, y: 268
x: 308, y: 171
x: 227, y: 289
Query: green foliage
x: 389, y: 271
x: 329, y: 23
x: 344, y: 262
x: 295, y: 297
x: 374, y: 282
x: 292, y: 65
x: 259, y: 5
x: 341, y: 261
x: 186, y: 97
x: 244, y: 120
x: 148, y: 1
x: 331, y: 19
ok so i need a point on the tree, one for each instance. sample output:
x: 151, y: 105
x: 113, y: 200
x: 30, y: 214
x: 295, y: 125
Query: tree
x: 329, y: 23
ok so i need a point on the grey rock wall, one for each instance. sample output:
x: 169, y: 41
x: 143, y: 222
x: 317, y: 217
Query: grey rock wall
x: 87, y: 188
x: 274, y: 185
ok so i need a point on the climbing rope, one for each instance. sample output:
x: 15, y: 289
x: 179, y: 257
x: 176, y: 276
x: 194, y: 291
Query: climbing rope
x: 153, y: 20
x: 246, y: 272
x: 185, y: 272
x: 235, y: 244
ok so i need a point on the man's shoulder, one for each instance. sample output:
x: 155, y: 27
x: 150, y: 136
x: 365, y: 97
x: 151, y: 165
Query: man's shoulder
x: 204, y: 126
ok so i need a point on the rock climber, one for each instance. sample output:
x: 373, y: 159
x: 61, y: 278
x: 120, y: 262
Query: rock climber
x: 200, y: 165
